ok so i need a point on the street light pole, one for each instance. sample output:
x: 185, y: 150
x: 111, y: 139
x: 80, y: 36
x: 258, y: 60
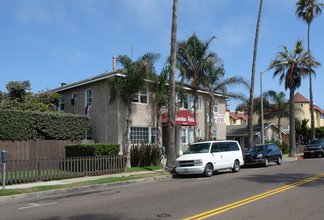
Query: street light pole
x: 262, y: 125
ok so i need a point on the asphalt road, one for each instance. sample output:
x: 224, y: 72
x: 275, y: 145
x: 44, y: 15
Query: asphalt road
x: 275, y: 192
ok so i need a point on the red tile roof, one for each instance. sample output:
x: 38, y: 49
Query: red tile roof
x: 299, y: 98
x: 237, y: 116
x: 316, y: 108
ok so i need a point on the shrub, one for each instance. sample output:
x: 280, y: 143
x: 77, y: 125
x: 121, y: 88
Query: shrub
x: 86, y: 150
x: 17, y: 125
x: 145, y: 155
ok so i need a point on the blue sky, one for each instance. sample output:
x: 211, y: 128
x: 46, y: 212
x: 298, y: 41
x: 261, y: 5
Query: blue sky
x: 54, y: 41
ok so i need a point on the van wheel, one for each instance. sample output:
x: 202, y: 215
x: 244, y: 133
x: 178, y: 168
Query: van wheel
x: 236, y: 166
x: 279, y: 162
x: 266, y: 162
x: 208, y: 172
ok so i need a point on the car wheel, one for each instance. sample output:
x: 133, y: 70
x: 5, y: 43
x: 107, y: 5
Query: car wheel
x: 279, y: 162
x: 208, y: 170
x: 236, y: 166
x: 266, y: 162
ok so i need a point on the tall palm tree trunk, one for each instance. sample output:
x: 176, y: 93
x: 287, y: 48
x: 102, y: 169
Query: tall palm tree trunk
x: 195, y: 111
x: 171, y: 156
x: 211, y: 117
x: 126, y: 150
x: 250, y: 111
x: 311, y: 89
x: 292, y: 135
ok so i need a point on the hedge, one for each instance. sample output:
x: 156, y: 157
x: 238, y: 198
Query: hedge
x: 17, y: 125
x: 84, y: 150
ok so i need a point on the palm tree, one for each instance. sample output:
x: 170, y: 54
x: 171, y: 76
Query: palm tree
x: 308, y: 10
x: 160, y: 89
x: 250, y: 111
x: 171, y: 155
x: 214, y: 82
x: 132, y: 79
x: 291, y: 66
x: 193, y: 57
x: 279, y: 108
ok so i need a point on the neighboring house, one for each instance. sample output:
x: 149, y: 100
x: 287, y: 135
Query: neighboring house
x: 107, y: 118
x: 236, y: 118
x: 302, y: 111
x: 240, y: 133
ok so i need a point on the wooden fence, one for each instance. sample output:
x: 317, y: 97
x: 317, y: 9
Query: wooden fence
x: 22, y: 171
x: 39, y: 149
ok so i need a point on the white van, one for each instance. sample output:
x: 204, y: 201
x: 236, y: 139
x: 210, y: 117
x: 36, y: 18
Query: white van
x: 207, y: 157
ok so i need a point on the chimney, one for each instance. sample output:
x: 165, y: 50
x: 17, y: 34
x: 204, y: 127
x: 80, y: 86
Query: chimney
x: 63, y: 84
x: 114, y: 64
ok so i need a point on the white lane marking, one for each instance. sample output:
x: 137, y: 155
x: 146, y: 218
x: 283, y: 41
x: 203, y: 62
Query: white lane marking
x: 34, y: 205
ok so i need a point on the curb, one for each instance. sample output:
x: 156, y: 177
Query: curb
x: 42, y: 194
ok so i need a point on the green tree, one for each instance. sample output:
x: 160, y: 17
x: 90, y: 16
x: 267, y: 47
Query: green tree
x: 250, y: 110
x: 279, y: 107
x: 308, y: 10
x: 17, y: 90
x: 130, y: 82
x: 215, y: 83
x: 193, y: 56
x: 291, y: 66
x: 171, y: 155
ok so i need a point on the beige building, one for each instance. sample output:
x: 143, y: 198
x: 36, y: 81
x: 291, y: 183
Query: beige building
x: 235, y: 118
x: 302, y: 111
x: 91, y: 97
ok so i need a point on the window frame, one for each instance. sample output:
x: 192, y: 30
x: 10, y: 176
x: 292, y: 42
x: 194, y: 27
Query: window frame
x: 62, y: 103
x: 140, y: 95
x: 88, y: 100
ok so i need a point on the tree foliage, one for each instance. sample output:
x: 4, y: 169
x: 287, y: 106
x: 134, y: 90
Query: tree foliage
x: 18, y: 98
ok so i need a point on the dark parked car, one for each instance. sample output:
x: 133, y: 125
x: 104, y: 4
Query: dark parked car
x: 315, y: 148
x: 263, y: 155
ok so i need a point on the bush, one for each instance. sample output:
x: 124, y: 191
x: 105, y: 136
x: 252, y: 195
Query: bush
x: 145, y: 155
x: 17, y: 125
x: 86, y: 150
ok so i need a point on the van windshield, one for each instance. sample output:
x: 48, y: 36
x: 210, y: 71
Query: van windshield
x: 198, y: 148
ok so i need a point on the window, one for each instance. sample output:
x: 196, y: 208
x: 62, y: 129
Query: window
x: 322, y: 116
x: 214, y: 135
x: 153, y: 135
x: 143, y: 134
x: 183, y: 136
x: 182, y: 101
x: 191, y: 138
x: 234, y: 121
x: 89, y: 134
x: 75, y: 95
x: 199, y: 103
x: 88, y: 97
x: 141, y: 96
x: 62, y: 104
x: 301, y: 105
x: 198, y: 132
x: 190, y: 102
x: 216, y: 106
x: 74, y: 98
